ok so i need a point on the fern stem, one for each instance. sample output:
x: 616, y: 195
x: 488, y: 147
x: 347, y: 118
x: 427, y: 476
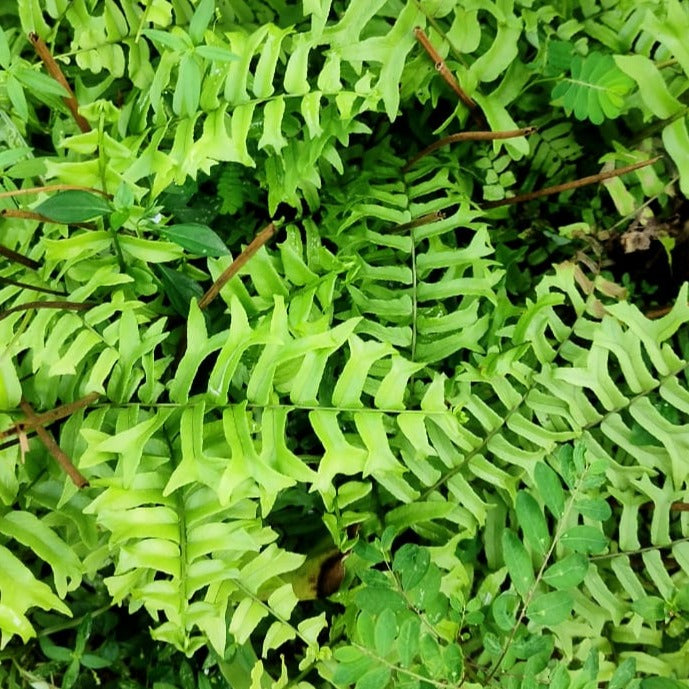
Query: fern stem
x: 78, y: 479
x: 258, y: 241
x: 469, y: 136
x: 55, y: 72
x: 65, y: 305
x: 638, y: 551
x: 574, y: 184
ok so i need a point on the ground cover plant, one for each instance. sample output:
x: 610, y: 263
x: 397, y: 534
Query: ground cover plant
x: 344, y: 344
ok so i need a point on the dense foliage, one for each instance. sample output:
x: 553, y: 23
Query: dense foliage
x: 479, y: 407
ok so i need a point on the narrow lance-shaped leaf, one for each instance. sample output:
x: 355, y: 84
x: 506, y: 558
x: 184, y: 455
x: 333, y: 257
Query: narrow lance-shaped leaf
x: 73, y: 205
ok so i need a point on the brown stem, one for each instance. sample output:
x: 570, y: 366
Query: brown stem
x: 258, y: 241
x: 658, y: 312
x: 469, y: 136
x: 442, y: 68
x: 27, y: 285
x: 50, y: 416
x: 32, y: 215
x: 19, y: 258
x: 66, y: 305
x: 53, y: 187
x: 575, y: 184
x: 56, y: 73
x: 423, y: 220
x: 55, y: 450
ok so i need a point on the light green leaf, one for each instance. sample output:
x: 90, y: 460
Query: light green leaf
x: 652, y: 87
x: 201, y: 19
x: 185, y: 100
x: 10, y: 387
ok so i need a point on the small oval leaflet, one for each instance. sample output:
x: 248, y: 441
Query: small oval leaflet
x: 411, y: 564
x: 73, y: 205
x: 550, y: 609
x: 518, y: 562
x: 196, y: 238
x: 568, y: 572
x: 585, y: 539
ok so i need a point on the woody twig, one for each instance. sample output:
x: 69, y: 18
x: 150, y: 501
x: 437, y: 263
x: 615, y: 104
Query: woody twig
x: 48, y: 417
x: 469, y: 136
x: 574, y: 184
x: 55, y: 72
x: 447, y: 75
x: 55, y: 450
x: 258, y: 241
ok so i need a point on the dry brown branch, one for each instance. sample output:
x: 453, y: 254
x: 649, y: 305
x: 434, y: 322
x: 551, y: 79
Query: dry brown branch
x: 48, y: 417
x: 29, y: 286
x: 56, y: 73
x: 55, y: 450
x: 66, y: 305
x: 32, y: 215
x: 575, y: 184
x: 423, y: 220
x: 258, y: 241
x: 53, y: 187
x: 469, y: 136
x: 19, y: 258
x: 445, y: 72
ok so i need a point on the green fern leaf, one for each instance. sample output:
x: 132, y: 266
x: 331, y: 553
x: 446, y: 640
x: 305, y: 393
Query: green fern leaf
x: 595, y: 90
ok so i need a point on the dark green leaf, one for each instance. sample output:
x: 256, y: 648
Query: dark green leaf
x: 375, y: 599
x: 623, y: 674
x: 568, y: 572
x: 585, y: 539
x: 179, y: 288
x: 550, y: 609
x: 411, y: 563
x: 94, y: 662
x: 532, y: 522
x: 661, y: 683
x: 73, y: 206
x: 518, y: 562
x: 503, y: 609
x: 550, y: 489
x: 39, y: 83
x: 196, y: 238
